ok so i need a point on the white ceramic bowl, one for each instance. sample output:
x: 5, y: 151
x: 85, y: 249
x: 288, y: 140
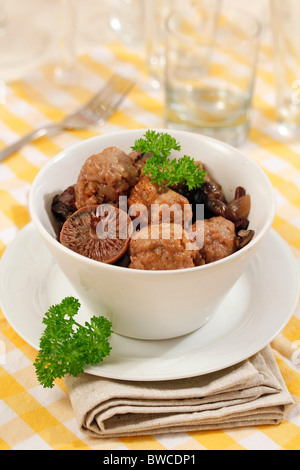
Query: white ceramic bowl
x: 154, y: 304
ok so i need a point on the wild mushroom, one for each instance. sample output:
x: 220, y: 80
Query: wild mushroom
x: 239, y: 208
x: 63, y: 205
x: 243, y: 238
x: 101, y: 233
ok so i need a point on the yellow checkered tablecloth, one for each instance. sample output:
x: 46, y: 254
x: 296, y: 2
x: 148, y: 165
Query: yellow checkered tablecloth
x: 35, y: 418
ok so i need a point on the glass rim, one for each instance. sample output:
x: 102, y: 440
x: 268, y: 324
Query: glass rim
x: 175, y: 14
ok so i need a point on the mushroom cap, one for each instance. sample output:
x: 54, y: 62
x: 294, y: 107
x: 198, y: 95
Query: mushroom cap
x: 101, y: 233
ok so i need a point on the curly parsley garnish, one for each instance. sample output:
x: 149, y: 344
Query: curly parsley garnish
x: 66, y: 347
x: 161, y: 168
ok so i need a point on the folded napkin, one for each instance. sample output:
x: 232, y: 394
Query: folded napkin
x: 248, y: 394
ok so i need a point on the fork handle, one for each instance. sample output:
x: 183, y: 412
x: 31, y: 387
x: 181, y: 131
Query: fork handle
x: 36, y: 134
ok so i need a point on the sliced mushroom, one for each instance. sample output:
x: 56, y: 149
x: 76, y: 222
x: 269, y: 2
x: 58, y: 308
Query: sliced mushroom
x: 239, y: 208
x: 64, y: 204
x: 239, y: 192
x: 241, y: 224
x: 243, y: 238
x: 218, y: 208
x: 101, y: 233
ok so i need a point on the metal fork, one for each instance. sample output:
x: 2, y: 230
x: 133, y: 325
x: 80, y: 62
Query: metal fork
x: 99, y: 108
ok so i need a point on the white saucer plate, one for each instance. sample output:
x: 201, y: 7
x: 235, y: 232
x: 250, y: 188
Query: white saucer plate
x: 253, y: 313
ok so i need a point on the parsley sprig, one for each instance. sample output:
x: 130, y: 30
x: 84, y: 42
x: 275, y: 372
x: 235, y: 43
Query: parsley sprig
x: 66, y: 346
x: 161, y: 168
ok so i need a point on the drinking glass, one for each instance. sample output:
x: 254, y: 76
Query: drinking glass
x: 126, y: 20
x: 156, y: 13
x: 210, y: 74
x: 286, y: 41
x: 66, y: 71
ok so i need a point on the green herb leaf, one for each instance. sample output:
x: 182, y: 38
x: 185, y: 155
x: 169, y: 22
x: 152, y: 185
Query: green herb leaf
x: 161, y: 168
x: 159, y: 144
x: 66, y: 347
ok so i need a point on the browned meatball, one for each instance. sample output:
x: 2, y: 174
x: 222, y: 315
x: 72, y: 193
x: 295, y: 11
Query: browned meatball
x: 155, y: 204
x: 139, y: 159
x: 161, y: 247
x: 104, y: 177
x: 144, y: 192
x: 219, y: 239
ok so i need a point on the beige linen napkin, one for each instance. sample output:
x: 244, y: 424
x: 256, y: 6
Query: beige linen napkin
x: 250, y: 393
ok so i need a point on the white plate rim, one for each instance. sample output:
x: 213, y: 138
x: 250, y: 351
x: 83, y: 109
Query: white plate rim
x: 114, y: 371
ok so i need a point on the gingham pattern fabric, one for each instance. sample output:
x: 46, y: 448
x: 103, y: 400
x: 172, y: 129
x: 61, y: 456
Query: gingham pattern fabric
x: 35, y: 418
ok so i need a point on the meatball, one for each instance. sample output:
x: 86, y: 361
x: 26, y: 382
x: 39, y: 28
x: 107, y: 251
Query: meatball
x: 139, y: 159
x: 162, y: 247
x: 219, y: 239
x: 155, y: 204
x: 104, y: 177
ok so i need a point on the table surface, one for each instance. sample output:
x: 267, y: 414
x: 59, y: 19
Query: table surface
x: 34, y: 418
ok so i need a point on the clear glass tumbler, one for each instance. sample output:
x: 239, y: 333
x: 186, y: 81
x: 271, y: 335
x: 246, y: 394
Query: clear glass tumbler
x: 210, y: 78
x: 286, y: 42
x: 156, y: 12
x: 127, y: 20
x: 66, y: 71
